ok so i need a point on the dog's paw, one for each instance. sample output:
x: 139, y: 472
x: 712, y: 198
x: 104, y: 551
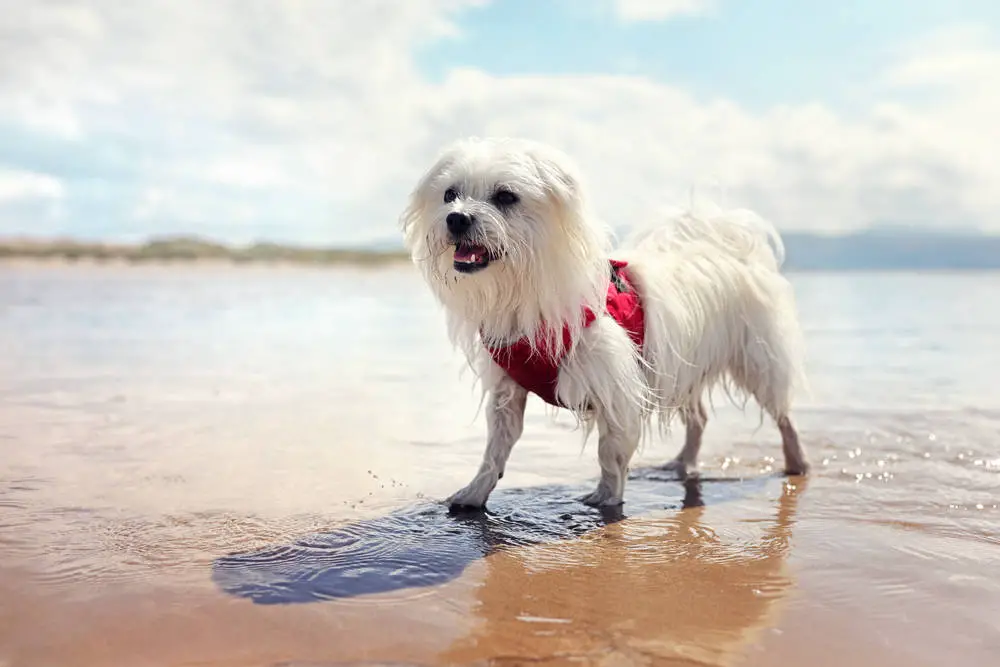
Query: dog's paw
x: 602, y: 496
x: 472, y: 496
x: 797, y: 468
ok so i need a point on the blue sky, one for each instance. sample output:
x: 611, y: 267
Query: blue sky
x: 248, y: 119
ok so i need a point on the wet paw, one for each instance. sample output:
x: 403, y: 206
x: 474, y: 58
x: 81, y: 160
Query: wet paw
x: 461, y: 499
x: 472, y: 496
x: 601, y: 497
x: 800, y: 468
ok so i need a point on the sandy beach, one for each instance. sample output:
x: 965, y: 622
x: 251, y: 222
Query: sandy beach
x: 241, y: 466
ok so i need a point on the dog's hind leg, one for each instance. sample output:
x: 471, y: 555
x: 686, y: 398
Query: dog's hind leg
x: 505, y: 423
x: 685, y: 464
x: 767, y: 374
x: 775, y: 403
x: 795, y: 456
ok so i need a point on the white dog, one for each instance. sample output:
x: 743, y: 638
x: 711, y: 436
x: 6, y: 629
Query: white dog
x: 502, y: 233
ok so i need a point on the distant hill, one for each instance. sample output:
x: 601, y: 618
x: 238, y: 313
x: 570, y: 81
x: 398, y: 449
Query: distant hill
x: 883, y: 249
x: 891, y: 250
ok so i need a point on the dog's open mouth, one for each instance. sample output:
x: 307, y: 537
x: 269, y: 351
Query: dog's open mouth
x: 471, y: 257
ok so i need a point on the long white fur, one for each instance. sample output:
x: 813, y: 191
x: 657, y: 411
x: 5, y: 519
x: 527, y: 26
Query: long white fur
x: 717, y: 309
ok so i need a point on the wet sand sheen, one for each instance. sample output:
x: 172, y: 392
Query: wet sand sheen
x: 667, y: 588
x: 705, y: 585
x: 204, y: 470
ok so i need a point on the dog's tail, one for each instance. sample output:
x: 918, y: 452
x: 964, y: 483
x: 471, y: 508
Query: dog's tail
x: 738, y: 232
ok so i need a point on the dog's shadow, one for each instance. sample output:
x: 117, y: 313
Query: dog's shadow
x: 432, y: 544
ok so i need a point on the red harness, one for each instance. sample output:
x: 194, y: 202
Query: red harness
x: 539, y: 372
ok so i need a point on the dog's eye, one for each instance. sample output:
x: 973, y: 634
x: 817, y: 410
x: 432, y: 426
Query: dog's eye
x: 450, y: 195
x: 505, y: 198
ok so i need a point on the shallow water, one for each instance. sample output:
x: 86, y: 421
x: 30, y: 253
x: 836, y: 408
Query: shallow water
x: 240, y: 466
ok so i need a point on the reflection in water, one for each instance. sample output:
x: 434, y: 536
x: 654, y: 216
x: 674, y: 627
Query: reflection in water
x: 430, y: 545
x: 364, y: 663
x: 654, y: 591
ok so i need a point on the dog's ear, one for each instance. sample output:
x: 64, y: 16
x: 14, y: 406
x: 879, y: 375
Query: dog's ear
x: 419, y: 201
x: 558, y: 174
x: 560, y: 178
x: 583, y: 233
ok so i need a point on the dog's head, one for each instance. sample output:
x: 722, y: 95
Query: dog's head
x: 503, y: 224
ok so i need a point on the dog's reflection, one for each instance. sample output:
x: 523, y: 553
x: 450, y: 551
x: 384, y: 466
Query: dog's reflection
x: 646, y: 591
x: 426, y: 545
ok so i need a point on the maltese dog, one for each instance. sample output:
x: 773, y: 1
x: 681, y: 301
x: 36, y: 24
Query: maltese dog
x: 540, y: 303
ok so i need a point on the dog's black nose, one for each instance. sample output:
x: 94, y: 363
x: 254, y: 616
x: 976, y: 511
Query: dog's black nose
x: 458, y: 223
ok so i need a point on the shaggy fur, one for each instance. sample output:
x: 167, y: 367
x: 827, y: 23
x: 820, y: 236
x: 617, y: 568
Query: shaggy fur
x: 717, y: 310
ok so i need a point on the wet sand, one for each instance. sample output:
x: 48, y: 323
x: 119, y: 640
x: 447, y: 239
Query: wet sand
x: 240, y: 466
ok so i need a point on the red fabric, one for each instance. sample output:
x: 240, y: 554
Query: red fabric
x: 538, y: 372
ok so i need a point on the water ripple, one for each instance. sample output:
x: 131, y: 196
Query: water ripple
x: 419, y: 547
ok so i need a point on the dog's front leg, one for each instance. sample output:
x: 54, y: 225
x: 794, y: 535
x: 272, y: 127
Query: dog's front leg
x: 603, y: 375
x: 505, y: 422
x: 618, y: 441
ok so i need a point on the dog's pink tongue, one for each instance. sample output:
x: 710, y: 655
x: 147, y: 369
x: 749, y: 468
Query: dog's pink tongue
x: 469, y: 253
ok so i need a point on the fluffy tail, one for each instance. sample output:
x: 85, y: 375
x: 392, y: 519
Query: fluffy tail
x: 738, y: 232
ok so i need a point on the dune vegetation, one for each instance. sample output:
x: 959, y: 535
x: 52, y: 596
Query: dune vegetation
x: 190, y: 249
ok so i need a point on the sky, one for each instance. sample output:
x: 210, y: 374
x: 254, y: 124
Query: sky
x: 309, y: 121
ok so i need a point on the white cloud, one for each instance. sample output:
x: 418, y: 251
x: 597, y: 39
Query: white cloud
x: 28, y: 199
x: 310, y: 121
x: 929, y: 162
x: 660, y: 10
x: 227, y: 104
x: 17, y: 184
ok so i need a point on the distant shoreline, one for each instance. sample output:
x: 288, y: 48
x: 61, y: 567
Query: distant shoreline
x: 189, y: 250
x: 871, y: 250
